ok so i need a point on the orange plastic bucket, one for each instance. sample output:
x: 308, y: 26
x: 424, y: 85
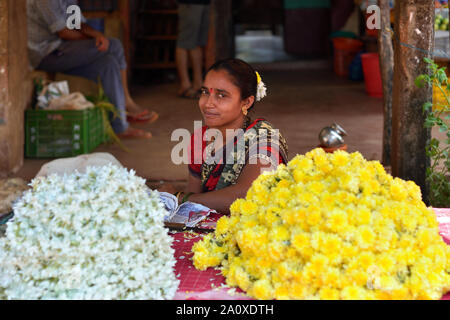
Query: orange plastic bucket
x: 345, y: 50
x: 372, y: 74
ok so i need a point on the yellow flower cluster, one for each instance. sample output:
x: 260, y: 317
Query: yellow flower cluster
x: 330, y: 226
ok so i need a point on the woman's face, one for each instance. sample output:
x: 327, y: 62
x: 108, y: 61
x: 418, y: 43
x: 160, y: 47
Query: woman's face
x: 220, y: 101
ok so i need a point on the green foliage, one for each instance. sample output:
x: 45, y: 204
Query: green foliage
x: 437, y: 115
x: 102, y: 101
x: 38, y: 84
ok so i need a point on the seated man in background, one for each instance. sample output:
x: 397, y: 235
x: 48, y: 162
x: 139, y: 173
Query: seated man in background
x: 83, y: 52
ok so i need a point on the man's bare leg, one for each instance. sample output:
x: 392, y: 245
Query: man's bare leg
x: 131, y: 106
x: 133, y: 109
x: 181, y: 57
x: 197, y: 67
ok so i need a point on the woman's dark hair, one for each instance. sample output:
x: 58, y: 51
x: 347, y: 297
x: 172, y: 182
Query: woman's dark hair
x: 242, y: 74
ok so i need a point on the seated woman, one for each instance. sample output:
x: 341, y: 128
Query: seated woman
x: 223, y: 169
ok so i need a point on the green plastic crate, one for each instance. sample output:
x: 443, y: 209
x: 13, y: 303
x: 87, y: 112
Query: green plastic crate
x: 63, y: 133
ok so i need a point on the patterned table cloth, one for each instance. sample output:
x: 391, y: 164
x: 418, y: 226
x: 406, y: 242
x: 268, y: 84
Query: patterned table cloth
x: 210, y: 284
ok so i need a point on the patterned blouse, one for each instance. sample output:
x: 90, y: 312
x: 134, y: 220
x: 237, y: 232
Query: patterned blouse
x: 257, y: 140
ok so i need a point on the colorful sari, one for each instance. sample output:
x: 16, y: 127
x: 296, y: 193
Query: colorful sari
x: 257, y: 140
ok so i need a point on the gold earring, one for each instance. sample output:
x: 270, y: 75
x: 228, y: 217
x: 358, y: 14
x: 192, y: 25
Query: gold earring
x: 244, y: 111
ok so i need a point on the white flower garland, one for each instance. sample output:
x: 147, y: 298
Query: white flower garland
x: 97, y: 235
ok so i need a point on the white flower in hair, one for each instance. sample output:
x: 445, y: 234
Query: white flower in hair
x: 261, y: 88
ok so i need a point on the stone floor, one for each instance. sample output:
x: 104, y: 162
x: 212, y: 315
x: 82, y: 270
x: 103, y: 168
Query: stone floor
x: 299, y: 102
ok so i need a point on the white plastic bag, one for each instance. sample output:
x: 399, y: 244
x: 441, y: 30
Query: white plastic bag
x: 78, y: 163
x: 73, y: 101
x: 51, y: 91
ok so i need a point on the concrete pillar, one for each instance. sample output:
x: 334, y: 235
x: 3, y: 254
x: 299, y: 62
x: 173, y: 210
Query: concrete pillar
x: 15, y: 83
x: 414, y: 40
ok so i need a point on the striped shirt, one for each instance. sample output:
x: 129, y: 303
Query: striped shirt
x: 45, y: 19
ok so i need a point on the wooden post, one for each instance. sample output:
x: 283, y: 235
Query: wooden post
x: 414, y: 40
x: 15, y: 83
x: 3, y: 79
x: 221, y: 42
x: 209, y: 52
x: 386, y: 52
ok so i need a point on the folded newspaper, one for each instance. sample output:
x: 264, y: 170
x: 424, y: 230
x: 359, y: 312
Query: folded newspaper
x: 188, y: 214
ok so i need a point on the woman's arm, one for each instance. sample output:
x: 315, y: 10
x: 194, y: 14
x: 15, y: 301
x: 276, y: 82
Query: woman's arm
x: 221, y: 200
x: 194, y: 184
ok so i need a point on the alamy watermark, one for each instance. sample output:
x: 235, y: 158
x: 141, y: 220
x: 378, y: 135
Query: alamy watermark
x: 261, y: 143
x: 74, y: 18
x: 374, y: 20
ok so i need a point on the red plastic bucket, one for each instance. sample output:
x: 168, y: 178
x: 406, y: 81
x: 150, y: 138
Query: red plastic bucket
x: 372, y: 74
x: 345, y: 50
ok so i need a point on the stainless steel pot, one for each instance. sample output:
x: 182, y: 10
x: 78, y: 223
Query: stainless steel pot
x: 332, y: 136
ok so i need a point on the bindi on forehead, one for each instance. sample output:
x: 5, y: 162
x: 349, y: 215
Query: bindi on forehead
x: 212, y: 90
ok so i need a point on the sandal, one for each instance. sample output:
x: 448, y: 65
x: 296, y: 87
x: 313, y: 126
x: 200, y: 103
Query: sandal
x: 132, y: 133
x: 190, y: 93
x: 144, y: 116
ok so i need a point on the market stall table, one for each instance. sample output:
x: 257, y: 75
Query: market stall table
x: 195, y: 284
x: 210, y: 284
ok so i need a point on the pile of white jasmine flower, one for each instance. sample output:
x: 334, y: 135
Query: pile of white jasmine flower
x: 97, y: 235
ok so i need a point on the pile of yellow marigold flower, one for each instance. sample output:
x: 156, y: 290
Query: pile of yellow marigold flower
x: 330, y: 226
